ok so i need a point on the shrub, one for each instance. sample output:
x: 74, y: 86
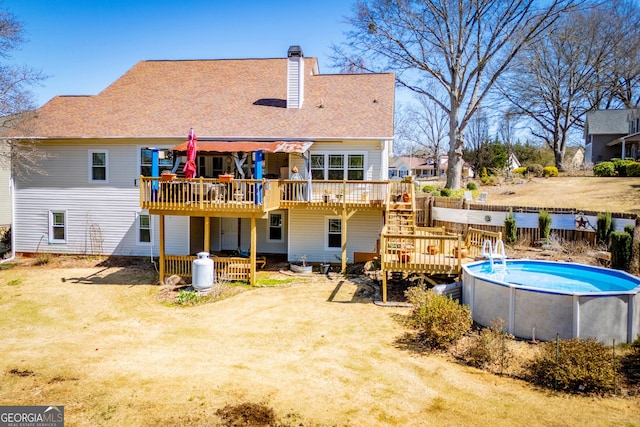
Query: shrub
x: 484, y: 177
x: 510, y: 229
x: 472, y: 186
x: 633, y: 169
x: 535, y: 169
x: 630, y: 229
x: 604, y: 225
x: 521, y: 170
x: 544, y: 224
x: 620, y: 166
x: 550, y: 171
x: 439, y: 319
x: 604, y: 169
x: 620, y: 250
x: 488, y: 350
x: 576, y: 365
x: 445, y: 192
x: 5, y: 237
x: 190, y: 298
x: 43, y: 258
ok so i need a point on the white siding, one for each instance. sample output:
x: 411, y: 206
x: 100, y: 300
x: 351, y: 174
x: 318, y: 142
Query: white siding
x: 375, y: 152
x: 101, y: 217
x: 5, y: 194
x: 307, y: 235
x: 176, y: 234
x: 262, y: 243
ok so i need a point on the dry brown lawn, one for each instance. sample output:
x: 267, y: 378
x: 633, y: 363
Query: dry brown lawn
x: 98, y: 341
x: 588, y: 193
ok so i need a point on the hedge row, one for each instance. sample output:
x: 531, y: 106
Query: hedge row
x: 617, y: 167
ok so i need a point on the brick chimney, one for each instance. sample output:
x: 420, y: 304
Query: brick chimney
x: 295, y: 77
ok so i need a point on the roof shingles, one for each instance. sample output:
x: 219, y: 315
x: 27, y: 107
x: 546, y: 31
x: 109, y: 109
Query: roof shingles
x: 225, y: 99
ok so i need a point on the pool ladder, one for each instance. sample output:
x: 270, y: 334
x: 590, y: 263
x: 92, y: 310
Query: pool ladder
x: 495, y: 253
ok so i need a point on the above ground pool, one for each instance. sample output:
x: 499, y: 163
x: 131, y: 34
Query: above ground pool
x: 540, y: 299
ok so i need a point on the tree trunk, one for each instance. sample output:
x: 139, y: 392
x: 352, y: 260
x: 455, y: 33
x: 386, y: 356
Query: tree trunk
x: 455, y: 162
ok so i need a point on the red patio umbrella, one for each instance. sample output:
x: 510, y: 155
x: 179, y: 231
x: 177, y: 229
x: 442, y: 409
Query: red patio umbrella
x: 190, y: 167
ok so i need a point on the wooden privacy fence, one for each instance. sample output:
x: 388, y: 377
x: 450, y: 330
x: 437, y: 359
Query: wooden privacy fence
x: 568, y: 224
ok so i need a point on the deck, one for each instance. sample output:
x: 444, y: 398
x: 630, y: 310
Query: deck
x: 247, y: 197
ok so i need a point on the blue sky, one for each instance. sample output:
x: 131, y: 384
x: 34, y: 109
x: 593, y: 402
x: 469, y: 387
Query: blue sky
x: 85, y: 45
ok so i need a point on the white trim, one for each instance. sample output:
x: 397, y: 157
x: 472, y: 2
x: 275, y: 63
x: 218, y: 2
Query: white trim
x: 106, y: 167
x: 326, y: 233
x: 51, y: 225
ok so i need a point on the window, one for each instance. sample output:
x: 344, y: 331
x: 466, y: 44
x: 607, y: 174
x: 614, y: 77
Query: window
x: 144, y: 228
x: 317, y: 166
x: 164, y: 161
x: 334, y: 233
x: 355, y: 167
x: 338, y: 166
x: 98, y: 161
x: 275, y: 227
x: 57, y: 226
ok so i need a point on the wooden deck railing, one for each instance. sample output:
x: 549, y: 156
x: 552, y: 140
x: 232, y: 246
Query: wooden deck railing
x: 371, y: 193
x: 225, y: 268
x: 251, y: 195
x: 424, y: 252
x: 207, y: 194
x: 475, y: 239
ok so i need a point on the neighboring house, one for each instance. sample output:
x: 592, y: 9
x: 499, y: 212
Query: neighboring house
x: 408, y: 165
x: 443, y: 165
x: 513, y: 162
x: 611, y: 134
x: 255, y: 119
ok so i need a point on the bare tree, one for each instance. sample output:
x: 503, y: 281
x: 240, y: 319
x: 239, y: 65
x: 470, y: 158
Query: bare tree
x: 16, y: 100
x: 619, y: 83
x: 424, y: 126
x: 556, y: 80
x: 463, y: 46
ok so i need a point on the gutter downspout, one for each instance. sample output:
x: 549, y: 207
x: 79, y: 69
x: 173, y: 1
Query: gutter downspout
x: 12, y: 190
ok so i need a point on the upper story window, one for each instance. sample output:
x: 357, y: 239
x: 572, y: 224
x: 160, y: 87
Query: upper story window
x: 98, y: 166
x: 347, y: 166
x: 165, y: 161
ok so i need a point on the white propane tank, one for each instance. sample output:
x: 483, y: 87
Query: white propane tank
x: 202, y: 269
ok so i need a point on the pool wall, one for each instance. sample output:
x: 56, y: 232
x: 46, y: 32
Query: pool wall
x: 605, y: 317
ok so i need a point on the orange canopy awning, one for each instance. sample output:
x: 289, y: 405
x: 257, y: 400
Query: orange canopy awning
x: 247, y: 146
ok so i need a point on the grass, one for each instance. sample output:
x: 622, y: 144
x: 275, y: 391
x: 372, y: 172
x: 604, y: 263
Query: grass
x: 314, y: 353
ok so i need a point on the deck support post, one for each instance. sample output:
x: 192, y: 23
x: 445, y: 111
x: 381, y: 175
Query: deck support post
x: 344, y: 240
x: 207, y: 234
x: 384, y: 285
x: 161, y: 271
x: 252, y: 253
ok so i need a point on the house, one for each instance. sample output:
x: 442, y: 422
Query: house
x: 611, y: 134
x: 255, y: 119
x: 408, y: 165
x: 513, y: 162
